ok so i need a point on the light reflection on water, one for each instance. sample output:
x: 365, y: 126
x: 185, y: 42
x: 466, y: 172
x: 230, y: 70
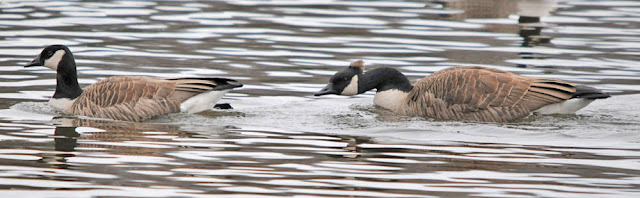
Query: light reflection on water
x: 293, y: 144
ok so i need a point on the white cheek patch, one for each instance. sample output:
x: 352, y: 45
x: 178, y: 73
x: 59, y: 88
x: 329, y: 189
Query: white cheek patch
x: 52, y: 62
x: 352, y: 88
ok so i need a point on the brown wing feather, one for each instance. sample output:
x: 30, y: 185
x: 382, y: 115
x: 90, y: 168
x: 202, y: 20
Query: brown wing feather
x: 482, y: 94
x: 186, y: 88
x: 137, y: 98
x: 129, y: 98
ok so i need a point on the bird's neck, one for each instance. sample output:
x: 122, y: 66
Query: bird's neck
x: 67, y: 79
x: 383, y: 79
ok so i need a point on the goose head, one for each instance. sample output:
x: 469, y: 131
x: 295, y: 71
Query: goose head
x: 52, y: 56
x: 344, y: 82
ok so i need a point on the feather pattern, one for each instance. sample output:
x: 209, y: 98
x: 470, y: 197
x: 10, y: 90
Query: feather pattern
x: 482, y: 94
x: 137, y: 98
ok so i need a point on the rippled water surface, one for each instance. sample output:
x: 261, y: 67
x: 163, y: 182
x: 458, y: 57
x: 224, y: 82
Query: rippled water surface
x: 281, y: 141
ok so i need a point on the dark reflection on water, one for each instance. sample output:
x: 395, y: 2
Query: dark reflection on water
x: 293, y: 144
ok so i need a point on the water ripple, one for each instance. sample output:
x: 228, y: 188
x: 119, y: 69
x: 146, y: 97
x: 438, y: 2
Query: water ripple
x: 279, y: 140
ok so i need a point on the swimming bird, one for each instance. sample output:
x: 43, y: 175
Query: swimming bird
x: 128, y: 98
x: 470, y: 93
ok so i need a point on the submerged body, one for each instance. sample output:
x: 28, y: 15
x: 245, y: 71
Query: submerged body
x: 465, y: 93
x: 128, y: 98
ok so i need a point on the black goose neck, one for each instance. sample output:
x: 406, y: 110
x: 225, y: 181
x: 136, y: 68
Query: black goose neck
x: 67, y: 78
x: 383, y: 79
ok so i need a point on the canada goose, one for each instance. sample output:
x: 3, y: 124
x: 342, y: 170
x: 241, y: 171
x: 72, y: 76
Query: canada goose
x: 464, y: 93
x: 128, y: 98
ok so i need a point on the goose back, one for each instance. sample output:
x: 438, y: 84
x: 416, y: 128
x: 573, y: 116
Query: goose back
x: 137, y: 98
x: 482, y: 94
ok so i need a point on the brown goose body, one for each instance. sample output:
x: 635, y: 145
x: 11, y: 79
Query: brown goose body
x: 482, y: 94
x: 128, y: 98
x: 137, y: 98
x: 464, y: 93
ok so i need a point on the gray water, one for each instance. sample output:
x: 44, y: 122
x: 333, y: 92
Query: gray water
x: 281, y: 141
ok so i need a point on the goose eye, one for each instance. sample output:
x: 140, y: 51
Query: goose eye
x: 50, y: 53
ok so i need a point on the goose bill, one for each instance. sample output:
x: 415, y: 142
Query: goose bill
x: 326, y: 91
x: 35, y: 62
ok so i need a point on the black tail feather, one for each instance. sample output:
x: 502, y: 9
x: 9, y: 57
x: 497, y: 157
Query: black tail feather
x: 583, y: 91
x: 220, y: 83
x: 227, y: 86
x: 217, y: 80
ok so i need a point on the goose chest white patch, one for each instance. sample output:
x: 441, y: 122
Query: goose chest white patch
x: 62, y: 104
x: 352, y: 88
x: 390, y: 99
x: 52, y: 62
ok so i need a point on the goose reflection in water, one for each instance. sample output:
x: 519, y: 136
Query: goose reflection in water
x: 153, y: 139
x: 529, y: 24
x: 66, y: 137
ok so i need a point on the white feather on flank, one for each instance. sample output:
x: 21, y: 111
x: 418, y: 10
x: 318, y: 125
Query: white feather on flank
x: 62, y: 104
x: 567, y: 107
x: 390, y: 99
x: 393, y: 99
x: 53, y: 61
x: 352, y: 88
x: 202, y: 102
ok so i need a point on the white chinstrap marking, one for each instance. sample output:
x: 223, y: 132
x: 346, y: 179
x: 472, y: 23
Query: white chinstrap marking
x: 352, y: 88
x: 202, y: 102
x: 390, y: 99
x: 53, y: 61
x: 567, y: 107
x: 62, y: 104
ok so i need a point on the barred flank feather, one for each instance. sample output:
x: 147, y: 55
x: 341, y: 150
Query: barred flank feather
x: 482, y: 94
x: 137, y: 98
